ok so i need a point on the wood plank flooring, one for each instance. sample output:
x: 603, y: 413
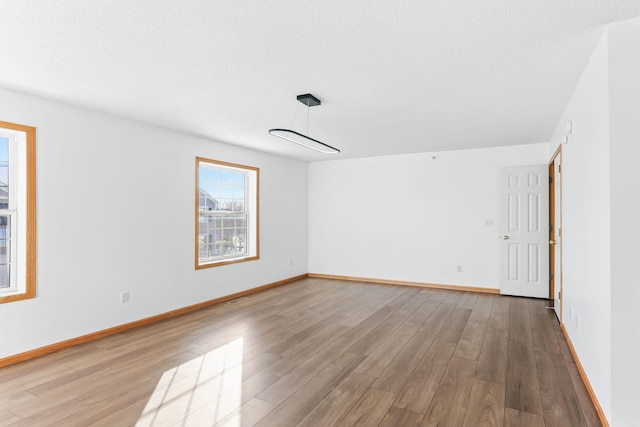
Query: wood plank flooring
x: 315, y: 353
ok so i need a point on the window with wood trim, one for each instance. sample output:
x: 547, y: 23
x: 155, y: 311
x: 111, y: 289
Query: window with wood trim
x: 226, y: 213
x: 17, y: 212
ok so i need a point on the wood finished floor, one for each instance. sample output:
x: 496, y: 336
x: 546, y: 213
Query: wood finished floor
x: 316, y: 353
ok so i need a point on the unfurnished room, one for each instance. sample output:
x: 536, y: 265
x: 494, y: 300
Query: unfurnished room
x: 329, y: 213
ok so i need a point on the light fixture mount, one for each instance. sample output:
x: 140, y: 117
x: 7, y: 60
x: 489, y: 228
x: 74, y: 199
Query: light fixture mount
x: 308, y: 100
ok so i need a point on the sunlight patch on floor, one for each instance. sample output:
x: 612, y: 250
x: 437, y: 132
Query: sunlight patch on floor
x: 199, y: 392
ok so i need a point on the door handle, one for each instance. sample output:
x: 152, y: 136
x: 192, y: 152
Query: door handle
x: 552, y: 242
x: 505, y: 237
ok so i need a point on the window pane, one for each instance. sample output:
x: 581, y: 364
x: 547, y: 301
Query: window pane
x: 226, y: 192
x: 226, y: 204
x: 5, y: 229
x: 208, y: 194
x: 238, y: 192
x: 207, y: 202
x: 5, y: 255
x: 4, y: 173
x: 213, y: 175
x: 4, y: 198
x: 4, y: 276
x: 4, y: 149
x: 226, y: 177
x: 4, y: 251
x: 211, y: 250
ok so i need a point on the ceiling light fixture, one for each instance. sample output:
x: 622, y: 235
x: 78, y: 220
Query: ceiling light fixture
x: 304, y: 140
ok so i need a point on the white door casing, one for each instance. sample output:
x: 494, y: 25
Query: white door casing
x: 557, y: 236
x: 525, y: 232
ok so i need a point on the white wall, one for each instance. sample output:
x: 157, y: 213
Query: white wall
x: 586, y: 222
x: 624, y: 84
x: 115, y: 203
x: 412, y: 217
x: 600, y: 221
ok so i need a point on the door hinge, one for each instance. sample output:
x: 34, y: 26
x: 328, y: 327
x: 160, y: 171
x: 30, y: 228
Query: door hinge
x: 559, y: 168
x: 550, y: 180
x: 550, y: 276
x: 560, y: 232
x: 550, y: 228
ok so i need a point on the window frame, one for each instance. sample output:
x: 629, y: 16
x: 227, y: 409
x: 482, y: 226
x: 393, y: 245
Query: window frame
x: 26, y: 252
x: 253, y: 225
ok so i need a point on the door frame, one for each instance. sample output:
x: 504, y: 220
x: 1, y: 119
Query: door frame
x: 553, y: 280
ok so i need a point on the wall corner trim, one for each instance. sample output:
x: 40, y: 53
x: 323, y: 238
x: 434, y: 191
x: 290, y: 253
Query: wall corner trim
x: 21, y: 357
x: 585, y: 379
x: 406, y: 283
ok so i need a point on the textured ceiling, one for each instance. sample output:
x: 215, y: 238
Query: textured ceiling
x: 393, y: 76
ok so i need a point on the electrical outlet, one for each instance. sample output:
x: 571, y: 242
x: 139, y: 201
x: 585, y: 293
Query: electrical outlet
x: 459, y: 269
x: 124, y: 297
x: 488, y: 223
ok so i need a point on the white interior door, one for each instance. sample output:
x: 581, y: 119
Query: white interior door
x: 557, y: 236
x: 525, y: 232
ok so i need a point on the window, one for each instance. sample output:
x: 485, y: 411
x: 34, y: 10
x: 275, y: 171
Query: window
x: 226, y: 213
x: 17, y: 212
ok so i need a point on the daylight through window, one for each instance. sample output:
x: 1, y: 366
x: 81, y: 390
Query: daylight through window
x: 17, y: 212
x: 227, y: 213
